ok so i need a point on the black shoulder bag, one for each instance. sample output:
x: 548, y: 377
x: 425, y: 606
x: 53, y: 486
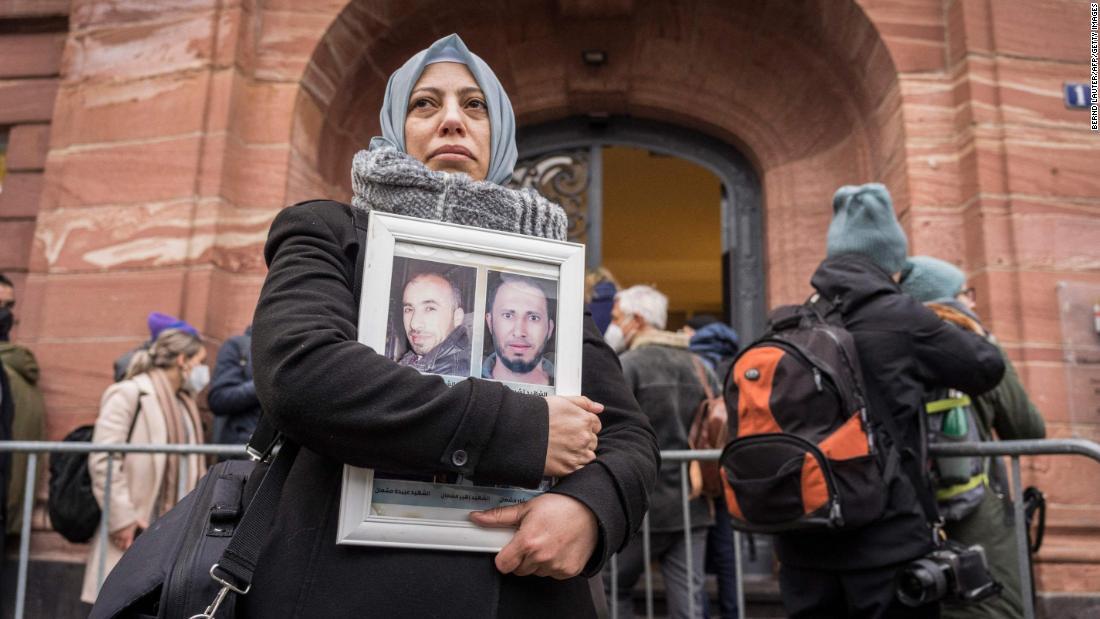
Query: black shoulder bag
x: 198, y: 558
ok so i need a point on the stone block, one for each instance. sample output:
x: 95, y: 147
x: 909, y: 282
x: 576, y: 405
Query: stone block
x: 155, y: 107
x: 285, y: 43
x: 917, y: 55
x: 21, y: 195
x: 74, y: 375
x: 33, y: 8
x: 27, y: 101
x: 27, y: 147
x: 16, y: 246
x: 120, y: 237
x: 1031, y: 93
x: 254, y: 176
x: 233, y: 299
x: 262, y: 112
x: 1076, y: 248
x: 1062, y: 579
x: 31, y: 55
x: 133, y: 173
x: 100, y: 13
x: 1053, y: 163
x: 129, y: 51
x: 113, y: 305
x: 936, y: 234
x: 241, y: 234
x: 1028, y: 300
x: 1049, y: 29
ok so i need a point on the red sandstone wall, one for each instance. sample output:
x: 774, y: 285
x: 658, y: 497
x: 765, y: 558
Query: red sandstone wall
x: 30, y: 59
x: 1005, y: 181
x: 180, y: 128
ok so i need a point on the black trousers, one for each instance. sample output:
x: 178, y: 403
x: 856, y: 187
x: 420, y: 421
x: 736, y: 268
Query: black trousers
x: 855, y: 594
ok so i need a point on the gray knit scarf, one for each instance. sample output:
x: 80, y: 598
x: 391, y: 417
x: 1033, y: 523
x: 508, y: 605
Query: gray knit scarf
x: 387, y: 180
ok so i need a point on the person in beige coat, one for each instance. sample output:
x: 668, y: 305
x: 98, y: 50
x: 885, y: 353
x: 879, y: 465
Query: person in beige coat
x: 156, y: 400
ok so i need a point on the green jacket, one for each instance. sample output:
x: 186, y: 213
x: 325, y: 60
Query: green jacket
x: 28, y: 423
x: 1005, y: 413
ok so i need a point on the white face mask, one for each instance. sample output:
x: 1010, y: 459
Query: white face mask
x: 615, y: 338
x: 198, y: 379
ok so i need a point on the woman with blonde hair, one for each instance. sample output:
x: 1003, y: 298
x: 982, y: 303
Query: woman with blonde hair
x: 153, y: 404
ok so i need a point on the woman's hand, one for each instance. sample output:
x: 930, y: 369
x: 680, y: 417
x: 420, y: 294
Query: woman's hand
x: 556, y: 536
x: 124, y: 537
x: 574, y: 424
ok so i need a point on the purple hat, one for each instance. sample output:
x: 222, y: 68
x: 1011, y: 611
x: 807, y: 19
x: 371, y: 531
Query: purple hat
x: 159, y: 322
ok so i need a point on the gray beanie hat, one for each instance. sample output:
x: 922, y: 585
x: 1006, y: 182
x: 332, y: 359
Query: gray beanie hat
x: 929, y: 279
x: 864, y: 223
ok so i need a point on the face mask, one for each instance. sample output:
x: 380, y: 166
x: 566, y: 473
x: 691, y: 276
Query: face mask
x: 615, y: 338
x: 198, y: 379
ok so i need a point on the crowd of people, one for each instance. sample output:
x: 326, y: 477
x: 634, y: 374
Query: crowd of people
x: 445, y: 117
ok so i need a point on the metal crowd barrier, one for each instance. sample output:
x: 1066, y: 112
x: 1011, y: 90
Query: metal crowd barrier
x: 1014, y: 449
x: 33, y: 448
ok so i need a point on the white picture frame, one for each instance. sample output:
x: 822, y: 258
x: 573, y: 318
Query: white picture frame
x: 402, y: 253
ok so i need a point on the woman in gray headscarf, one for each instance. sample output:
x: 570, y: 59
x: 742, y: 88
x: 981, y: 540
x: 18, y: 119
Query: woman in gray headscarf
x: 448, y: 141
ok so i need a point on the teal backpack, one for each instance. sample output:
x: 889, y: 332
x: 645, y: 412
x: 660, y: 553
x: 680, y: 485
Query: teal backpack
x: 960, y: 482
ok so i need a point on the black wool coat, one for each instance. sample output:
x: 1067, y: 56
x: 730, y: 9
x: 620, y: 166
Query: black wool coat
x: 345, y: 403
x: 904, y: 349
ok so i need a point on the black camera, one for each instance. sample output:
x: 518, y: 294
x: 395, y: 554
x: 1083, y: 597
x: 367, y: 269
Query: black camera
x: 951, y: 573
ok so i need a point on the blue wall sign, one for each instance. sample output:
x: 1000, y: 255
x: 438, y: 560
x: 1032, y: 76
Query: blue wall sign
x: 1078, y: 95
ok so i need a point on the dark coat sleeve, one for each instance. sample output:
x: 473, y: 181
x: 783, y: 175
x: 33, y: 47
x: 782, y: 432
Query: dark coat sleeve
x: 232, y: 391
x: 950, y: 356
x: 1009, y: 410
x: 341, y: 399
x: 616, y: 486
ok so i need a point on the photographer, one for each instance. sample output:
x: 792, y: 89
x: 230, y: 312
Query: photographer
x: 979, y: 514
x: 903, y: 349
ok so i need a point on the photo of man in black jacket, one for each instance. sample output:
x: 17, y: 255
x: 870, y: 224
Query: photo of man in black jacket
x: 903, y: 347
x: 433, y: 317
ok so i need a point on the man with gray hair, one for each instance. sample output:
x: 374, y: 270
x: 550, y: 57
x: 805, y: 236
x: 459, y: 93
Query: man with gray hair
x: 661, y: 372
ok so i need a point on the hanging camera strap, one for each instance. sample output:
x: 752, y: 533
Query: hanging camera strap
x: 912, y: 466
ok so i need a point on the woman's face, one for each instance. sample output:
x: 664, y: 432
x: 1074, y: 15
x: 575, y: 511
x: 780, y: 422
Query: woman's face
x: 447, y: 125
x: 185, y: 363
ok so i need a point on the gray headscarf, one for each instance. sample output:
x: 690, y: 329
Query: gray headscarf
x: 502, y: 121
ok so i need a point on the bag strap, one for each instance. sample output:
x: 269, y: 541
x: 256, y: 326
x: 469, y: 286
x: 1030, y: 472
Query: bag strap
x: 133, y: 420
x: 910, y: 466
x: 235, y: 568
x: 825, y: 309
x: 701, y: 374
x: 237, y: 565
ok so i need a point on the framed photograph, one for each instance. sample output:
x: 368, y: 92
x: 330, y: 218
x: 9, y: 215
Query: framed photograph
x: 460, y: 303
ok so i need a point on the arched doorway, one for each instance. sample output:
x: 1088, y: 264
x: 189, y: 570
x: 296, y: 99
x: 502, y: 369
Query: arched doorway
x: 566, y: 160
x: 812, y: 105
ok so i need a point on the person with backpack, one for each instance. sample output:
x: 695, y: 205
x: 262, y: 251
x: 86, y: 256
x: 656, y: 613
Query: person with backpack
x: 902, y: 350
x: 154, y: 403
x: 663, y: 374
x: 716, y: 343
x: 232, y: 396
x: 976, y: 502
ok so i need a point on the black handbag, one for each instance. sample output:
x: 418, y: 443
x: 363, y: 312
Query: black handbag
x: 196, y: 559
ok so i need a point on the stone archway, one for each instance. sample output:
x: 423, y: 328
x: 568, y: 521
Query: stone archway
x: 808, y: 92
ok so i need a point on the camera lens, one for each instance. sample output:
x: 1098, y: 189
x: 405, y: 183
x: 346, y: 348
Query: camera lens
x: 921, y: 582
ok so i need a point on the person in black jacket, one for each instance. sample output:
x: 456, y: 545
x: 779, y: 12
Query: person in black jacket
x: 447, y: 144
x: 903, y: 349
x: 232, y: 396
